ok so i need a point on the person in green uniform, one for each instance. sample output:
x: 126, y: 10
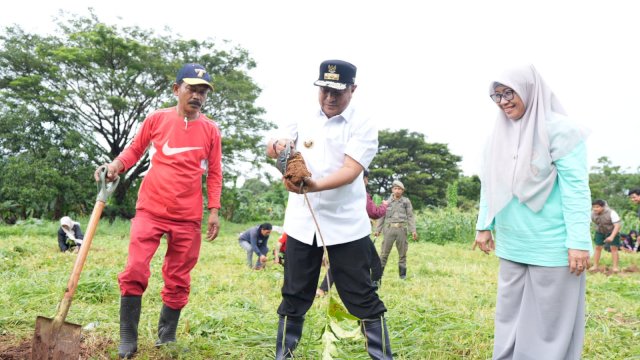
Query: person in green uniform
x: 394, y: 225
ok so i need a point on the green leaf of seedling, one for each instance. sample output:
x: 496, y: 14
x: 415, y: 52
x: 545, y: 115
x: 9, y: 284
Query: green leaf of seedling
x: 340, y: 325
x: 337, y: 311
x: 329, y: 349
x: 350, y: 330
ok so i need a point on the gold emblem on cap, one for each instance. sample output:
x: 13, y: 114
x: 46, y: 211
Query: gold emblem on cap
x: 331, y: 74
x: 200, y: 72
x: 308, y: 144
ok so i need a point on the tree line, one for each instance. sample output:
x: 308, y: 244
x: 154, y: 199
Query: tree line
x: 74, y: 100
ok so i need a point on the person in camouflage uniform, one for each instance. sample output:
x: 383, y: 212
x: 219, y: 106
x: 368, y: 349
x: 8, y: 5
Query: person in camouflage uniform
x: 394, y: 225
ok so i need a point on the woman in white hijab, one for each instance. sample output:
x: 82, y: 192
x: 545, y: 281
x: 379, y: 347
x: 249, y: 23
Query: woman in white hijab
x: 535, y: 196
x: 69, y: 234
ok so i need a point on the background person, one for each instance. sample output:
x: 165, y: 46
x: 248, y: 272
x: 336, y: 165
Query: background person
x: 394, y: 225
x: 535, y: 195
x: 626, y: 244
x: 634, y: 196
x: 633, y: 238
x: 255, y: 240
x: 279, y: 251
x: 337, y: 142
x: 608, y: 224
x: 69, y: 234
x: 188, y: 146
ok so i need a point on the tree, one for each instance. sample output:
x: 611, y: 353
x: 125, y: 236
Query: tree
x: 100, y: 81
x: 608, y: 182
x: 425, y: 169
x: 468, y: 192
x: 44, y: 170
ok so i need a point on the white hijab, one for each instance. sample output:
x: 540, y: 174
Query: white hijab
x: 519, y: 157
x: 68, y: 228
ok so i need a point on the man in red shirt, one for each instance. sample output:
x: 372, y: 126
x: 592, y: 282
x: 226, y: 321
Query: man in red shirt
x: 187, y: 146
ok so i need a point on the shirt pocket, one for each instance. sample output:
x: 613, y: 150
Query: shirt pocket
x: 336, y: 146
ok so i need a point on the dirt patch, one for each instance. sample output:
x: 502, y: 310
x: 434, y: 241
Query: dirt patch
x: 609, y: 271
x: 12, y: 348
x: 91, y: 347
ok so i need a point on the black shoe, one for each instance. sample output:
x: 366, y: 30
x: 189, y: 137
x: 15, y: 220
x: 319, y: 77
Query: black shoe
x: 377, y: 337
x: 167, y: 325
x: 130, y: 307
x: 402, y: 270
x: 289, y: 333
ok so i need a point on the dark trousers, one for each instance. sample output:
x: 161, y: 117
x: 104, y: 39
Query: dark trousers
x: 376, y: 269
x: 350, y: 267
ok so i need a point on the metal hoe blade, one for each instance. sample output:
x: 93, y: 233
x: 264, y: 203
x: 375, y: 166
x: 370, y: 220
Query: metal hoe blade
x: 50, y: 343
x: 283, y: 158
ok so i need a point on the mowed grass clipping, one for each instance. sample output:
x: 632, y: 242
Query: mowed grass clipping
x: 444, y: 310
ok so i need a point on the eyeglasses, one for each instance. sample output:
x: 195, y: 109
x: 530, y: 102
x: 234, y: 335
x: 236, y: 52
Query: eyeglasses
x: 507, y: 95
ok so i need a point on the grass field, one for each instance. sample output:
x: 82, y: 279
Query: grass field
x: 444, y: 310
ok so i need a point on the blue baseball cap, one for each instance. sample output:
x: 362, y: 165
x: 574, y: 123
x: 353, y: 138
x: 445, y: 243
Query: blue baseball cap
x: 194, y: 74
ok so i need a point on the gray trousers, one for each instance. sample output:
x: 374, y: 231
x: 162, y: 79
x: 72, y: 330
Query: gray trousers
x: 247, y: 247
x: 399, y: 237
x: 539, y: 313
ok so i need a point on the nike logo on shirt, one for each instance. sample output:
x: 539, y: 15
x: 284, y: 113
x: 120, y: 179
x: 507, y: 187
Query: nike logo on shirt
x: 169, y: 151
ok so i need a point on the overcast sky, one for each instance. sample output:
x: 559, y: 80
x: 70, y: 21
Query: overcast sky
x: 422, y: 66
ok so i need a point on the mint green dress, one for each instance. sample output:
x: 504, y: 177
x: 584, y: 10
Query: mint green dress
x: 543, y: 238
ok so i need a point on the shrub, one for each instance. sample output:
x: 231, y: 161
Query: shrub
x: 443, y: 225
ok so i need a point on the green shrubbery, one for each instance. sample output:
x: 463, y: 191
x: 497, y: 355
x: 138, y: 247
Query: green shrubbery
x: 444, y: 225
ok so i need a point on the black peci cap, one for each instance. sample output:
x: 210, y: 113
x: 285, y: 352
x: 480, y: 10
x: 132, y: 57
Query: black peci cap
x: 336, y: 74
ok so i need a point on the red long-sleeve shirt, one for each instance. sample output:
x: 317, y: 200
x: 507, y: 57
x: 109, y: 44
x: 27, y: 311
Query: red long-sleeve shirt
x: 375, y: 212
x: 184, y: 151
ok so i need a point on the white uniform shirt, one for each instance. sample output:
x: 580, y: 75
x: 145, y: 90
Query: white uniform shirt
x: 615, y: 218
x: 341, y: 212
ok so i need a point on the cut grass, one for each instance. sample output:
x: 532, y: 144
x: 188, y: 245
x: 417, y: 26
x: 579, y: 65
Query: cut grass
x: 444, y: 310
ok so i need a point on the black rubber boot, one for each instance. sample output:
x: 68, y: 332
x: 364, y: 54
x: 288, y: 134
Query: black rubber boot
x: 377, y: 337
x: 289, y: 333
x: 129, y: 317
x: 167, y: 325
x: 403, y: 272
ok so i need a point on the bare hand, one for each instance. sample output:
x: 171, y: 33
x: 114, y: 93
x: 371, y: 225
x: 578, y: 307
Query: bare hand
x: 608, y: 239
x: 578, y: 261
x: 213, y: 225
x: 309, y: 185
x: 263, y: 259
x: 113, y: 169
x: 415, y: 235
x: 385, y: 203
x: 484, y: 240
x: 274, y: 147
